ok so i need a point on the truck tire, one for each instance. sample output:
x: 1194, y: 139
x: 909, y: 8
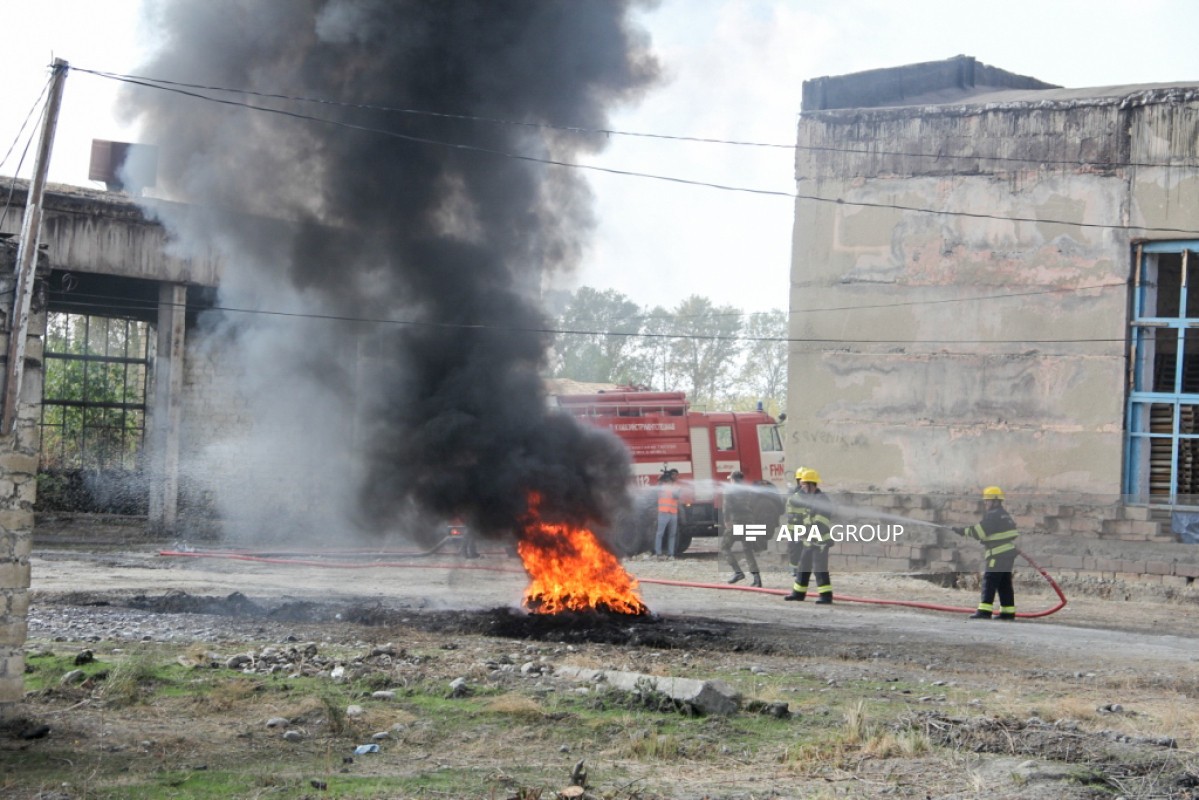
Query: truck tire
x: 633, y: 533
x: 684, y: 542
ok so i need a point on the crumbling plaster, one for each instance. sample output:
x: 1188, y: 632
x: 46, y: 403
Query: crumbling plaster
x: 987, y: 348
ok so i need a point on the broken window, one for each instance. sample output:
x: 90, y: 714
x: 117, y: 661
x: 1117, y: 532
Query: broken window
x: 93, y: 413
x: 1163, y: 409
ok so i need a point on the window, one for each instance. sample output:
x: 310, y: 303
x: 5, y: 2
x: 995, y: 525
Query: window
x: 724, y: 437
x: 1163, y: 408
x: 768, y: 439
x: 93, y: 415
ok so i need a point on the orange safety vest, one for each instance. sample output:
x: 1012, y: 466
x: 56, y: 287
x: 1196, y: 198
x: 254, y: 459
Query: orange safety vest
x: 668, y: 501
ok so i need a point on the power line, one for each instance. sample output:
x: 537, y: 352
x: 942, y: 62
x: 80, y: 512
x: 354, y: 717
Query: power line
x: 450, y: 145
x: 466, y: 326
x: 150, y: 305
x: 608, y: 132
x: 12, y: 186
x: 939, y: 301
x: 636, y: 174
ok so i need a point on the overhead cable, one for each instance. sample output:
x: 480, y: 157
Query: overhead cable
x: 61, y: 303
x: 608, y: 132
x: 147, y: 83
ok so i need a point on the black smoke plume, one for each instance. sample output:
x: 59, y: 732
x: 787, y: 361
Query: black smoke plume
x: 436, y: 404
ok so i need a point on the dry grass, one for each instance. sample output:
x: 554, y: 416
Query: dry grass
x: 519, y: 707
x: 126, y: 680
x: 1065, y: 708
x: 235, y: 694
x: 645, y: 743
x: 904, y: 744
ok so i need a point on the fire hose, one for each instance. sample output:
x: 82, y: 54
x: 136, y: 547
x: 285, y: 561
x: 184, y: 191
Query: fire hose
x: 1061, y: 603
x: 1061, y: 596
x: 284, y: 558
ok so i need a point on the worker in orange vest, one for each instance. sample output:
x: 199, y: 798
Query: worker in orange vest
x: 666, y: 539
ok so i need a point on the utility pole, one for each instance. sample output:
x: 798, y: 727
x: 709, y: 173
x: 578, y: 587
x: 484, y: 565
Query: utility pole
x: 27, y: 249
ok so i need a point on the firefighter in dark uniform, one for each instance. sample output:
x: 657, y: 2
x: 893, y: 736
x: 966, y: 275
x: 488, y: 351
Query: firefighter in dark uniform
x: 998, y: 534
x: 736, y: 508
x: 809, y: 508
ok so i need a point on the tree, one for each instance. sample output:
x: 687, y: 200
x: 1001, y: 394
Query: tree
x: 764, y: 371
x: 605, y: 349
x: 706, y: 347
x: 653, y: 363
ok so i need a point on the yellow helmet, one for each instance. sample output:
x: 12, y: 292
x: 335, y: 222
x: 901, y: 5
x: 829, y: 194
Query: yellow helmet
x: 810, y: 476
x: 993, y: 493
x: 799, y: 473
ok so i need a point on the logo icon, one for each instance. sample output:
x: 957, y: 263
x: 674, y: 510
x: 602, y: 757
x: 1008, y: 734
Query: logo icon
x: 751, y: 532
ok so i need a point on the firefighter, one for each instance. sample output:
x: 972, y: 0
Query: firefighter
x: 998, y: 534
x: 809, y: 509
x: 737, y: 509
x: 667, y: 537
x: 795, y: 511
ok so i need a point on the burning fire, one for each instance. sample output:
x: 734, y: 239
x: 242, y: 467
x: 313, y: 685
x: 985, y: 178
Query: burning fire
x: 572, y: 571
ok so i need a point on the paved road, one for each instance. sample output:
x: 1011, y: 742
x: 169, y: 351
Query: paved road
x: 1077, y: 638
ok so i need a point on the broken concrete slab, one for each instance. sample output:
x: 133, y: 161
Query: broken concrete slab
x: 707, y: 697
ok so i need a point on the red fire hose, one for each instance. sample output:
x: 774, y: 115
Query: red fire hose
x: 878, y: 601
x: 291, y: 561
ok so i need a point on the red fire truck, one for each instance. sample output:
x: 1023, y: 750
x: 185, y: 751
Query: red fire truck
x: 662, y: 433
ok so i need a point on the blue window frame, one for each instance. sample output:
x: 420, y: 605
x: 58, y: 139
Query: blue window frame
x: 1162, y: 423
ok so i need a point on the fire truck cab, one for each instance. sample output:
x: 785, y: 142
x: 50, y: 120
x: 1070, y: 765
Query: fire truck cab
x: 662, y: 433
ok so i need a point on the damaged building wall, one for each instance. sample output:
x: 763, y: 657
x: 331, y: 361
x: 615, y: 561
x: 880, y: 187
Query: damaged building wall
x: 936, y: 350
x: 110, y: 233
x: 18, y: 487
x: 939, y: 352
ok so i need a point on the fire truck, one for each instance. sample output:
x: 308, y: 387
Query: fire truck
x: 663, y: 434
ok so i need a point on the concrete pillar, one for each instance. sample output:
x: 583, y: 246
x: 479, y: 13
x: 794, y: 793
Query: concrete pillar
x: 165, y: 415
x: 18, y: 487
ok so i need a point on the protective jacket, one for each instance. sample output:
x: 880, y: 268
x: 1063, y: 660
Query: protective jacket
x: 812, y: 511
x: 668, y: 499
x: 998, y: 534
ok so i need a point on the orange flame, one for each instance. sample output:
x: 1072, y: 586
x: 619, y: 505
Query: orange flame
x: 571, y: 571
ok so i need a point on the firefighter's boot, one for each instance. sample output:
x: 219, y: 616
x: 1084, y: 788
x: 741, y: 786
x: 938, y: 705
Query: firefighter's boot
x: 980, y: 615
x: 737, y: 576
x: 825, y: 599
x: 1007, y: 615
x: 796, y: 595
x: 757, y: 581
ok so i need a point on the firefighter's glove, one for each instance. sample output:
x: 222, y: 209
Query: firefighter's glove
x: 959, y: 531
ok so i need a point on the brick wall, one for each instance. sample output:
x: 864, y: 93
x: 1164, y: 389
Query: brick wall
x: 18, y: 490
x: 1071, y: 536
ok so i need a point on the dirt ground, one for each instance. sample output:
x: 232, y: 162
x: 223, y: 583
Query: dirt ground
x: 1096, y: 700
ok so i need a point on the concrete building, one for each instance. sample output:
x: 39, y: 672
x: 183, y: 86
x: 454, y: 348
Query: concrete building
x: 989, y: 286
x: 106, y: 267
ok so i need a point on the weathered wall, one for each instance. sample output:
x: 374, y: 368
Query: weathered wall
x: 264, y: 456
x: 938, y: 352
x: 1070, y: 535
x: 109, y: 234
x: 18, y: 489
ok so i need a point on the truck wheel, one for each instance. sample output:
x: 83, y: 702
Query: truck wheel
x: 684, y: 542
x: 634, y: 531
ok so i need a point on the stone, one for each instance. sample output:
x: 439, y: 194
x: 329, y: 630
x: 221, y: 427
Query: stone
x: 707, y: 697
x: 74, y: 676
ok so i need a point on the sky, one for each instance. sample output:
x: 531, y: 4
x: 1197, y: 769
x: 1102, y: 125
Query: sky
x: 733, y: 70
